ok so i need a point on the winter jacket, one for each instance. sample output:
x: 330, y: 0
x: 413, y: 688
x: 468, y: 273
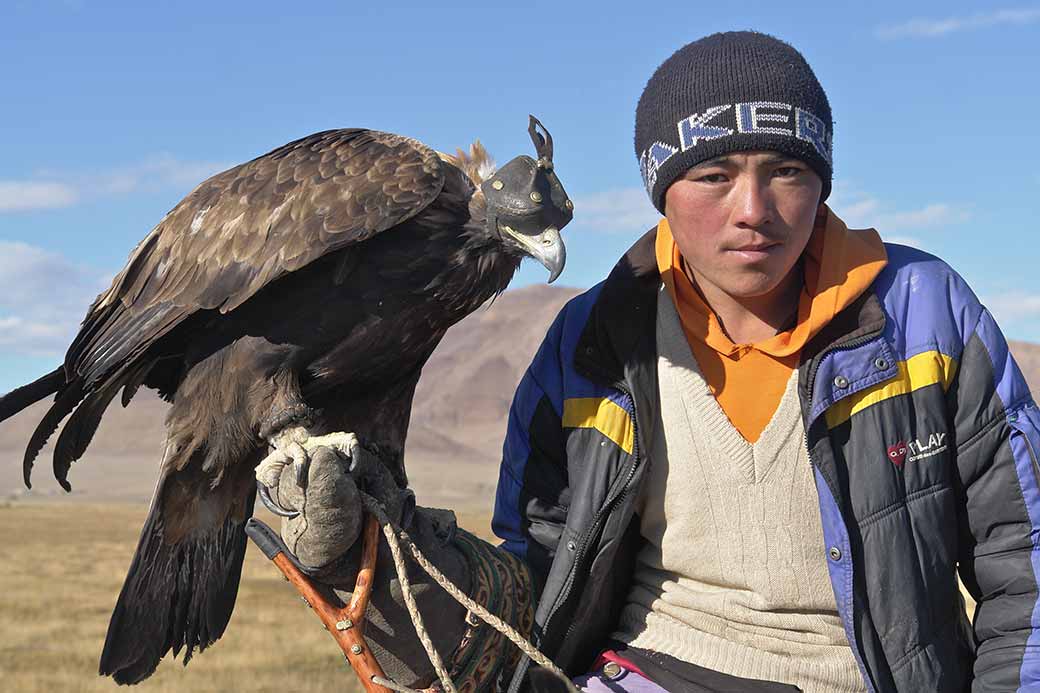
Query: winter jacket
x: 923, y: 439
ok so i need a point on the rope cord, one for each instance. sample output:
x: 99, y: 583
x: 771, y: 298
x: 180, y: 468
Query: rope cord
x: 393, y: 685
x: 393, y: 535
x: 413, y: 608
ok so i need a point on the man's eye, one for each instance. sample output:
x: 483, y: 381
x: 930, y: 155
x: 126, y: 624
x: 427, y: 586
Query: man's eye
x: 712, y: 178
x: 787, y: 171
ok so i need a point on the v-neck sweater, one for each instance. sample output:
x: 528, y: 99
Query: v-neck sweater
x: 733, y: 572
x: 838, y: 265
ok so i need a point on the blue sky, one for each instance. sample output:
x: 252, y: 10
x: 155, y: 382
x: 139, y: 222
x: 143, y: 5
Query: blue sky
x: 113, y: 111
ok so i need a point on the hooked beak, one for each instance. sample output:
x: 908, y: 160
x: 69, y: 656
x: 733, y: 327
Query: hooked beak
x: 547, y: 248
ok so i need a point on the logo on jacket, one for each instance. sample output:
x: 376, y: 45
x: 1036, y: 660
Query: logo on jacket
x: 916, y: 449
x: 897, y: 453
x: 933, y: 445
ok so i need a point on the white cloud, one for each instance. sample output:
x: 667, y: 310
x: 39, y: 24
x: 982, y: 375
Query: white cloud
x: 35, y: 337
x: 928, y: 216
x: 24, y: 196
x: 626, y: 210
x: 43, y: 298
x: 862, y: 210
x: 1013, y: 306
x: 155, y: 172
x: 930, y: 28
x: 912, y: 241
x: 53, y: 189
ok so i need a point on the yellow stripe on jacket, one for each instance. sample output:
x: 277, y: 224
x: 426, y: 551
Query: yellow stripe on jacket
x: 922, y: 370
x: 602, y: 414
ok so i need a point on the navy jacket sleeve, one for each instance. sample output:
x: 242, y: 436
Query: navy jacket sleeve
x: 997, y: 428
x: 532, y: 497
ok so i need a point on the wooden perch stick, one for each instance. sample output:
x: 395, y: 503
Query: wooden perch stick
x: 344, y: 623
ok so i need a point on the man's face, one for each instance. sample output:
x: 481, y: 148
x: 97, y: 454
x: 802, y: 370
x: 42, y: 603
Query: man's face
x: 742, y: 220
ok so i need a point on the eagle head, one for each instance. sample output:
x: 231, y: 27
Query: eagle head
x: 526, y: 205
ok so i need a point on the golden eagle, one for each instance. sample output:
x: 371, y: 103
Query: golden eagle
x: 295, y: 295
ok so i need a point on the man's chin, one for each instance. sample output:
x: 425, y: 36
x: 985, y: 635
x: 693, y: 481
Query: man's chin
x: 751, y: 285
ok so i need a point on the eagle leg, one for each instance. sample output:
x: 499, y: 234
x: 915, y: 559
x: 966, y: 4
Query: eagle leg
x: 295, y: 446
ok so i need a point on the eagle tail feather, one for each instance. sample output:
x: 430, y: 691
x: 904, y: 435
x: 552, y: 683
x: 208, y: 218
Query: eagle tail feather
x: 178, y: 593
x: 80, y: 429
x: 63, y: 405
x: 26, y: 395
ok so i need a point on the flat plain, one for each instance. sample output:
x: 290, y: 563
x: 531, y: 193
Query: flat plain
x: 62, y: 567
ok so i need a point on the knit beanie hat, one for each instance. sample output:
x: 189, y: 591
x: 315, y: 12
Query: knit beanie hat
x: 731, y: 92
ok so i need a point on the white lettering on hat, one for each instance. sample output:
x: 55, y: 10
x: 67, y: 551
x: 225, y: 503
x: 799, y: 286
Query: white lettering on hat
x: 652, y: 159
x: 750, y: 118
x: 695, y: 128
x: 814, y: 131
x: 751, y: 115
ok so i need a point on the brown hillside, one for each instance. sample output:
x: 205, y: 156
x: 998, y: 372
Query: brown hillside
x: 458, y: 422
x: 1028, y: 358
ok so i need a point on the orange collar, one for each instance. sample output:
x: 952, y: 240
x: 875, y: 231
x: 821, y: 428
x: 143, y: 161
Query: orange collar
x: 838, y: 266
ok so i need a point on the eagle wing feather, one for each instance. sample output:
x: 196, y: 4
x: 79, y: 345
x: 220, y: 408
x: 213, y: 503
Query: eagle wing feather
x: 244, y: 228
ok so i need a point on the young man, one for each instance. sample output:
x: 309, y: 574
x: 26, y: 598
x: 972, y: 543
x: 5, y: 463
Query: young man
x: 755, y: 457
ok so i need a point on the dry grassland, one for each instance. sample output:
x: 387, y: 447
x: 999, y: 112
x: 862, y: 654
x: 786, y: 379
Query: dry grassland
x: 62, y: 567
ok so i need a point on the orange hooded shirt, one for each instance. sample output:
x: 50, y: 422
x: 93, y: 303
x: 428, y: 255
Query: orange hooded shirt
x: 748, y: 380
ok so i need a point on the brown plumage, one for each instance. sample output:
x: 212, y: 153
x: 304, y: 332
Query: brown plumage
x: 306, y: 287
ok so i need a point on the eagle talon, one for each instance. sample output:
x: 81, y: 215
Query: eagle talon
x: 300, y: 470
x: 265, y: 498
x: 294, y: 447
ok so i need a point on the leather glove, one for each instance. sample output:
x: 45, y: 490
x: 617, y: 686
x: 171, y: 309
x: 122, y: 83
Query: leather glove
x: 324, y: 539
x: 331, y: 511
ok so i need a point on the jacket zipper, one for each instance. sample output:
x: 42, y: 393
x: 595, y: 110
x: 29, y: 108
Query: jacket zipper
x: 811, y: 385
x: 1032, y: 453
x: 852, y: 344
x: 601, y: 514
x: 1029, y: 447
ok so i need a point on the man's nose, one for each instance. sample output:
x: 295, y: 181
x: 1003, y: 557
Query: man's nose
x: 754, y: 203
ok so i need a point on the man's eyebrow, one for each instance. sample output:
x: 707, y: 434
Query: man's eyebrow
x: 779, y: 159
x: 725, y: 159
x: 717, y: 161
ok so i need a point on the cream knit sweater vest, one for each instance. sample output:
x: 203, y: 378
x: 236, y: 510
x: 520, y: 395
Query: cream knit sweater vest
x: 733, y: 572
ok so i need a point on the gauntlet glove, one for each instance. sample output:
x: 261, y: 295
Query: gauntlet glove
x: 324, y: 537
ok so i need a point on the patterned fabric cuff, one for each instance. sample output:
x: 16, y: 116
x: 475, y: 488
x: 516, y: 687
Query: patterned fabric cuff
x: 502, y: 585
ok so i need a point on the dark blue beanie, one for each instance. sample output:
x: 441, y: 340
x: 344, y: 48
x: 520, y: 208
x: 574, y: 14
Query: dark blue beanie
x: 731, y: 92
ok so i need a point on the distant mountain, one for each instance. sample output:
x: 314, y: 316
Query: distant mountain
x: 1027, y: 356
x: 458, y: 420
x: 468, y: 383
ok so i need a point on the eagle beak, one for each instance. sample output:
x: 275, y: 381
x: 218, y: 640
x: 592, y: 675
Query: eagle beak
x: 546, y: 247
x: 549, y: 250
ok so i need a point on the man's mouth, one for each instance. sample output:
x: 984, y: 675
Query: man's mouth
x: 755, y: 247
x: 755, y: 252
